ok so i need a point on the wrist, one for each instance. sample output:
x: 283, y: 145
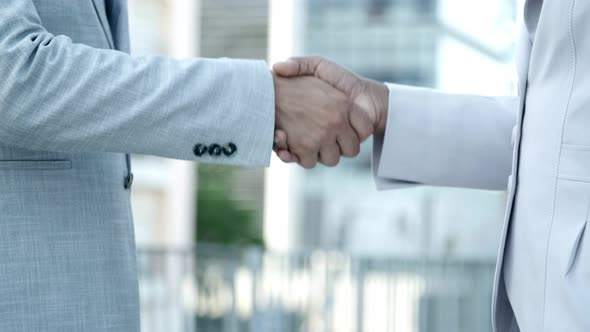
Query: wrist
x: 380, y: 95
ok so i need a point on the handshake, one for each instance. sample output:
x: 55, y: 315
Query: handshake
x: 324, y: 112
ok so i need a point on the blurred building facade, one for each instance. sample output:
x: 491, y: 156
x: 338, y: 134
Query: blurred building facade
x: 238, y: 29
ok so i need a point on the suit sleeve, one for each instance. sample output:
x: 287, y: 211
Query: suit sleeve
x: 57, y: 95
x: 439, y: 139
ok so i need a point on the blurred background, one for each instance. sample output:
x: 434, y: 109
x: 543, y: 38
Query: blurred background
x: 283, y: 249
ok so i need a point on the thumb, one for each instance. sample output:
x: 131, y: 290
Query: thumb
x: 287, y: 68
x: 297, y: 66
x: 325, y: 70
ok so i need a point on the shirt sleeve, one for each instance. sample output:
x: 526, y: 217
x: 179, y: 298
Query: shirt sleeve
x: 440, y: 139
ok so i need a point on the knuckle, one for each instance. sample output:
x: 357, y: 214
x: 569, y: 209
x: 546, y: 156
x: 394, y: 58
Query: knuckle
x: 317, y: 59
x: 307, y: 146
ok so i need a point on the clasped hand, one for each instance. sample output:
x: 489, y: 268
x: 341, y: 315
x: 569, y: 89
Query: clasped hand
x: 324, y: 112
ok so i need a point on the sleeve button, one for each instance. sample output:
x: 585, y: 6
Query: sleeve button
x: 215, y: 150
x: 200, y: 149
x: 128, y: 181
x: 230, y: 149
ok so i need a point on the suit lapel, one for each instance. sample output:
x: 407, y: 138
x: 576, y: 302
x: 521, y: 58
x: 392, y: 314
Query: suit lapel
x: 102, y: 16
x: 532, y: 12
x: 523, y: 56
x: 500, y: 304
x: 119, y: 22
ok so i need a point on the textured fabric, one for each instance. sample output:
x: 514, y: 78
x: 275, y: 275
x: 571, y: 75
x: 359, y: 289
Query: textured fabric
x: 62, y: 93
x: 70, y: 107
x: 543, y: 273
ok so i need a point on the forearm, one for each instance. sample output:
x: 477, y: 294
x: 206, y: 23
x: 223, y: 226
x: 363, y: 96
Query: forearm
x: 62, y: 96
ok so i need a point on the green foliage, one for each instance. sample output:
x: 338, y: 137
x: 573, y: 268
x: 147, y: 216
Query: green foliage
x: 220, y: 219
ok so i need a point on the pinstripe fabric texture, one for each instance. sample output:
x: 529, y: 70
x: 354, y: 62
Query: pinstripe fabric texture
x: 70, y: 108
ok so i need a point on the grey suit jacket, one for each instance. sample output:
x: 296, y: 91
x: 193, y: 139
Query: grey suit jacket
x: 70, y: 108
x: 536, y: 145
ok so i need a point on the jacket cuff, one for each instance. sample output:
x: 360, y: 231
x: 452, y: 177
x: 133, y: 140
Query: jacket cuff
x: 258, y: 92
x: 249, y: 117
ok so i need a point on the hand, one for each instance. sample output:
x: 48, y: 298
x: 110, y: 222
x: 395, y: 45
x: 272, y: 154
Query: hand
x: 319, y: 122
x: 369, y: 97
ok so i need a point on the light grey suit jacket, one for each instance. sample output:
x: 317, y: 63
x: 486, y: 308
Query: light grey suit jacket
x: 70, y: 108
x: 536, y: 145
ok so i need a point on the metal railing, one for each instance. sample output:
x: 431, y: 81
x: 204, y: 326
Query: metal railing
x: 213, y: 288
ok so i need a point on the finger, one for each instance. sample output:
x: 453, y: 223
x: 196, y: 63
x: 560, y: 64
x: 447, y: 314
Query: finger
x: 286, y: 156
x: 289, y: 68
x: 330, y: 155
x: 361, y: 123
x: 280, y: 141
x: 349, y: 143
x: 307, y: 160
x: 295, y: 158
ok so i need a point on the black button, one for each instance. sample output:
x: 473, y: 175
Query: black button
x: 230, y: 149
x: 200, y: 149
x: 128, y: 181
x: 215, y: 150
